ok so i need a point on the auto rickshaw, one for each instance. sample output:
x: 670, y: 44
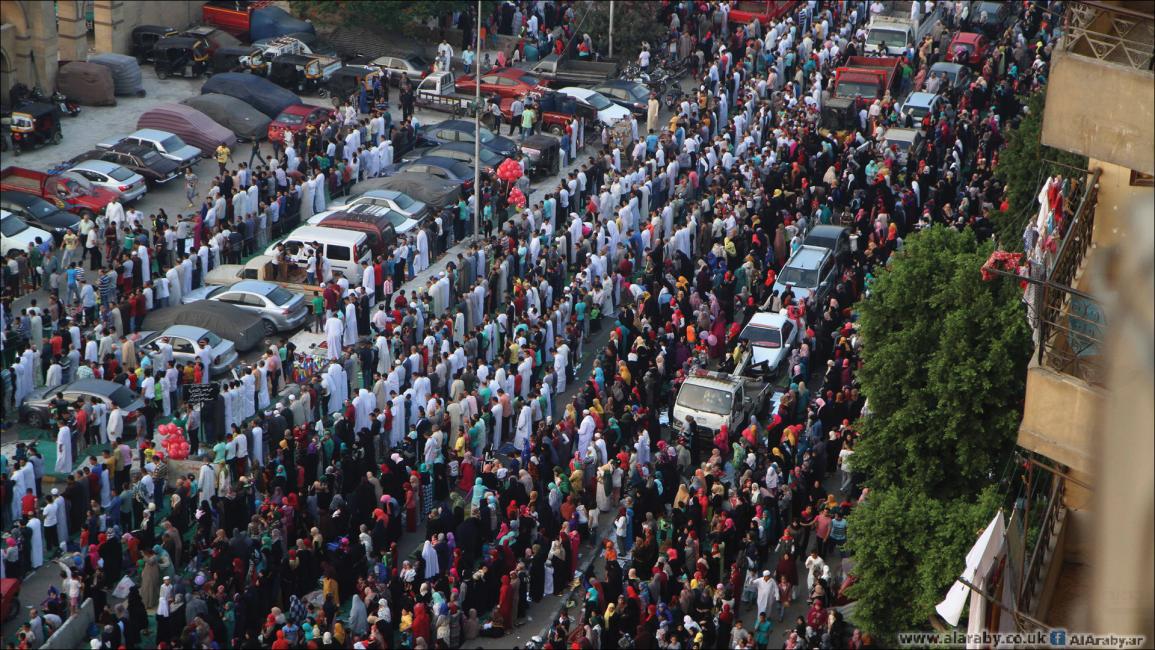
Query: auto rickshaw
x: 145, y: 38
x: 300, y: 73
x: 543, y: 152
x: 181, y: 56
x: 227, y: 59
x: 839, y: 117
x: 34, y: 124
x: 347, y: 80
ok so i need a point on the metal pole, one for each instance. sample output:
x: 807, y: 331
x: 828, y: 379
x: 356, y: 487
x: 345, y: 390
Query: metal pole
x: 477, y: 127
x: 611, y: 49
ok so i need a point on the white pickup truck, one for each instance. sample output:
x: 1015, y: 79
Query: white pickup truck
x: 715, y: 399
x: 438, y: 91
x: 896, y: 29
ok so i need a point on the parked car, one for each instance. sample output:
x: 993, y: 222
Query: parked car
x: 68, y: 191
x: 957, y: 75
x: 909, y: 142
x: 506, y: 82
x: 833, y: 238
x: 344, y: 249
x: 185, y: 344
x: 919, y: 105
x: 378, y: 223
x: 296, y: 119
x: 18, y: 235
x: 192, y: 126
x: 37, y: 212
x: 394, y: 200
x: 808, y: 272
x: 630, y: 95
x: 463, y: 131
x: 771, y: 337
x: 145, y: 161
x: 166, y: 144
x: 991, y: 18
x: 464, y: 152
x: 609, y: 113
x: 968, y: 47
x: 441, y: 167
x: 111, y: 176
x: 36, y: 409
x: 413, y: 66
x: 278, y: 308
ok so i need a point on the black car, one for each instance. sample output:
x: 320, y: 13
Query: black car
x: 991, y: 18
x: 627, y: 94
x: 463, y: 131
x: 830, y: 237
x: 36, y: 409
x: 462, y: 151
x: 443, y: 168
x: 35, y: 211
x: 155, y: 168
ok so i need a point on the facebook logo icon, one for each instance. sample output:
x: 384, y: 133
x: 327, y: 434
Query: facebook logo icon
x: 1058, y: 638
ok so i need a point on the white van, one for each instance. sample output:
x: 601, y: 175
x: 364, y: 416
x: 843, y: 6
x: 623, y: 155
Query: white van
x: 345, y: 249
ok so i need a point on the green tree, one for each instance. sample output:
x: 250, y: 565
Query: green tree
x: 1023, y: 167
x: 908, y: 550
x: 635, y: 21
x: 944, y: 368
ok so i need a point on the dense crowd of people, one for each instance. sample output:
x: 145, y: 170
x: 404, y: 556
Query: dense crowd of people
x: 463, y: 410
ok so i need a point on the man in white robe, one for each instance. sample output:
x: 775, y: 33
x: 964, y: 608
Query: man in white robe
x: 334, y: 335
x: 397, y: 433
x: 586, y: 431
x: 24, y: 479
x: 421, y: 259
x: 37, y: 528
x: 363, y: 408
x: 115, y: 428
x: 340, y: 386
x: 248, y: 396
x: 524, y: 426
x: 64, y: 449
x: 61, y: 509
x: 350, y: 334
x: 207, y: 480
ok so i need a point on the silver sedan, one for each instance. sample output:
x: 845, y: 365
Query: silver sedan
x: 111, y: 176
x: 278, y: 308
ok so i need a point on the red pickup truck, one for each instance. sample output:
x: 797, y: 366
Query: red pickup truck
x: 747, y: 11
x: 232, y: 17
x: 866, y: 78
x: 67, y: 191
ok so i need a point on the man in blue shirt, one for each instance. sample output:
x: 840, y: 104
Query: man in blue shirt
x: 651, y: 142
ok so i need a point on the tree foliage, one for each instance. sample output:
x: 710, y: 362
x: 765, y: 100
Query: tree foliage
x: 944, y: 368
x: 635, y: 21
x: 908, y: 550
x: 1023, y: 167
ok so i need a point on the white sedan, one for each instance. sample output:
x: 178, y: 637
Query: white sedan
x: 17, y: 234
x: 772, y: 338
x: 111, y: 176
x: 609, y: 113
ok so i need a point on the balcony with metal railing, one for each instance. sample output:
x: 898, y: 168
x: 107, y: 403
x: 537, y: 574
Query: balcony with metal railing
x: 1119, y: 32
x: 1100, y: 84
x: 1069, y: 323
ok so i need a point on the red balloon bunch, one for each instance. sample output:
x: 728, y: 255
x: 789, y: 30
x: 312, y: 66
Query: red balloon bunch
x: 509, y: 170
x: 517, y: 197
x: 172, y: 439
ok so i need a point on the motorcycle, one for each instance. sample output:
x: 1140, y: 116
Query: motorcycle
x: 63, y: 105
x: 21, y: 93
